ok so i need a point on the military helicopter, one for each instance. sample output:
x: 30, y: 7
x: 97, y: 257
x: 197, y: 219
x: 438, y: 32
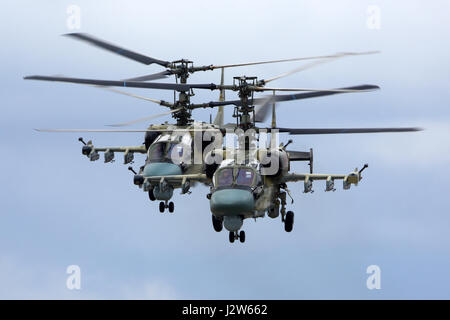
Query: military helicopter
x: 242, y: 190
x: 158, y: 140
x: 246, y: 117
x: 246, y: 188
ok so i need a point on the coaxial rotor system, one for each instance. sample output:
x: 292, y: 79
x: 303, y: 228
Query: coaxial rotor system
x: 244, y: 108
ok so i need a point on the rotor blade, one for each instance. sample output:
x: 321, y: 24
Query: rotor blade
x: 300, y: 96
x: 285, y: 130
x: 315, y: 90
x: 131, y: 95
x: 154, y: 76
x: 132, y: 84
x: 287, y: 97
x: 264, y: 105
x: 261, y: 112
x: 316, y: 63
x: 302, y: 68
x: 90, y: 130
x: 123, y: 124
x: 346, y: 130
x: 178, y: 87
x: 129, y: 130
x: 295, y: 59
x: 117, y: 50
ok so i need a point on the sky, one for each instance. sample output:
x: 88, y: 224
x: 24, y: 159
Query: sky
x: 59, y: 209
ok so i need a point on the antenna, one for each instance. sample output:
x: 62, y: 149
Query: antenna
x: 274, y: 115
x: 219, y: 119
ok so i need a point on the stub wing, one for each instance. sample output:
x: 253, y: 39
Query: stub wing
x: 92, y: 152
x: 136, y: 149
x: 348, y: 179
x: 183, y: 181
x: 295, y: 177
x: 178, y: 180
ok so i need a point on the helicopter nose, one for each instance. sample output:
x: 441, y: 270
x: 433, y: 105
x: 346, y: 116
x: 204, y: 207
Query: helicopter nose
x: 161, y: 169
x: 229, y: 202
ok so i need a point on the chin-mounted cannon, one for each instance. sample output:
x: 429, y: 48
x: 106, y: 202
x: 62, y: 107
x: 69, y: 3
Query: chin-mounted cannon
x: 92, y: 152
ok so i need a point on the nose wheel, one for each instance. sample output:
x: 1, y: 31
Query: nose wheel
x: 234, y: 235
x: 163, y: 205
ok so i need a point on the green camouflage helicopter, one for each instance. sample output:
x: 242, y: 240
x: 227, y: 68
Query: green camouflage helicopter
x: 160, y: 175
x: 248, y: 182
x: 158, y: 140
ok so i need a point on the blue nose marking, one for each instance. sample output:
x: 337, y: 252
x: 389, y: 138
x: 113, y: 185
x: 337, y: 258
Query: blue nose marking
x: 161, y: 169
x: 228, y: 202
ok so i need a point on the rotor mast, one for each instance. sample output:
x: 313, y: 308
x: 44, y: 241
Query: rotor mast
x: 245, y: 113
x: 181, y: 70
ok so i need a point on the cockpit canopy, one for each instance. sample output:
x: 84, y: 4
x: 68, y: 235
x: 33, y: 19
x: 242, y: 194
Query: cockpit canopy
x: 239, y: 176
x: 165, y: 151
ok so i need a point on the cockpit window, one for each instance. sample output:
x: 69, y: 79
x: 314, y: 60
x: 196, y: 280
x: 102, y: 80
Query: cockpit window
x: 175, y: 150
x: 235, y: 176
x: 225, y: 177
x: 165, y: 151
x: 156, y: 152
x: 245, y: 177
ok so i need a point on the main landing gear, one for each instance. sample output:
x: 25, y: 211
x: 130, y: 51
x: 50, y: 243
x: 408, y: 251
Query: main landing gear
x: 286, y: 217
x: 163, y: 205
x: 234, y: 235
x: 151, y: 195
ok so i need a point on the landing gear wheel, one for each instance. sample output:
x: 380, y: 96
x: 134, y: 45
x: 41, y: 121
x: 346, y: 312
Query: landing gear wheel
x: 289, y: 221
x: 162, y: 207
x: 151, y: 195
x: 171, y: 206
x: 231, y: 236
x: 242, y: 236
x: 217, y: 224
